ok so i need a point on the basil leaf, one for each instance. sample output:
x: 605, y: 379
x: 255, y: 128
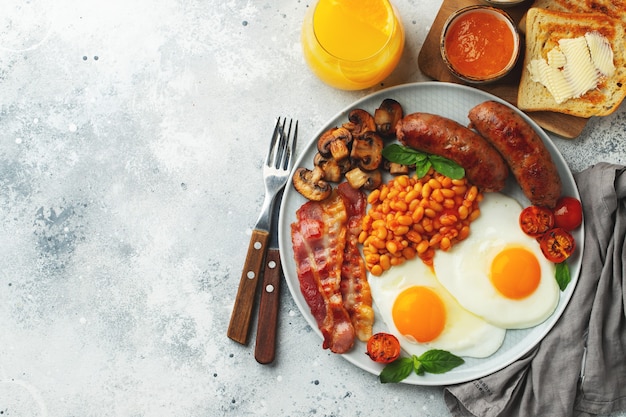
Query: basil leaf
x: 447, y: 167
x: 397, y: 370
x: 400, y: 154
x: 434, y: 361
x: 421, y: 169
x: 418, y: 366
x: 562, y: 275
x: 437, y: 361
x: 422, y: 161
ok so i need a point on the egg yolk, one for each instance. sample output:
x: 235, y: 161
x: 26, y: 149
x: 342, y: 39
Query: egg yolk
x: 515, y: 273
x: 420, y: 313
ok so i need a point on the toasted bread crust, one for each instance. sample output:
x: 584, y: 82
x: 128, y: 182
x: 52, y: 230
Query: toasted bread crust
x: 544, y: 28
x: 611, y: 8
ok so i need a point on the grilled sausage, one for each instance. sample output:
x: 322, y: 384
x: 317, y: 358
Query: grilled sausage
x: 526, y: 154
x: 484, y: 167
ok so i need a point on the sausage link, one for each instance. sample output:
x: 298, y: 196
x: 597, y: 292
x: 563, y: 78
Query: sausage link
x: 522, y: 148
x: 484, y: 167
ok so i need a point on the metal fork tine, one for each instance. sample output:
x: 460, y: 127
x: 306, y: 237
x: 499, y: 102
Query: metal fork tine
x: 275, y: 136
x: 290, y: 147
x: 284, y: 157
x: 292, y: 150
x: 280, y: 150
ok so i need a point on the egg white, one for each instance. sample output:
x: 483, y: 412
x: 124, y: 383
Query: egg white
x: 464, y: 334
x: 464, y: 269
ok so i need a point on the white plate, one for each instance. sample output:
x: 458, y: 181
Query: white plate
x: 453, y: 101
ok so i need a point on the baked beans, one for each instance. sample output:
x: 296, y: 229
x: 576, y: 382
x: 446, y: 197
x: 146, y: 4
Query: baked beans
x: 410, y: 217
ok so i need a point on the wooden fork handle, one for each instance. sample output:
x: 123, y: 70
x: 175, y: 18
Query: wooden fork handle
x: 265, y: 348
x: 246, y: 293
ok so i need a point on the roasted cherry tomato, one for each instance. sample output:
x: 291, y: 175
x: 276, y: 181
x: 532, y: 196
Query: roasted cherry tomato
x: 536, y: 220
x: 557, y: 245
x: 568, y: 213
x: 383, y: 348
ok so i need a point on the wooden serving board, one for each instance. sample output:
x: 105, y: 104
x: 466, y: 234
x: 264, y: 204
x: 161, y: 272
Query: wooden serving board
x: 432, y: 65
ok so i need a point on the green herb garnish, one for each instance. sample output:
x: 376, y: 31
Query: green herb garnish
x: 434, y: 361
x: 562, y: 275
x: 423, y: 161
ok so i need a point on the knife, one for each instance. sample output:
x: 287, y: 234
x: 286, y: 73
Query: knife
x: 265, y: 348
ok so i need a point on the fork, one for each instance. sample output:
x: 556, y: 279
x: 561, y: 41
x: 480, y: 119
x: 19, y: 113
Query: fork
x: 275, y: 174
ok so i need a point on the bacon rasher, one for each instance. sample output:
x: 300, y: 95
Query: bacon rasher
x: 324, y: 250
x: 357, y: 296
x: 318, y: 239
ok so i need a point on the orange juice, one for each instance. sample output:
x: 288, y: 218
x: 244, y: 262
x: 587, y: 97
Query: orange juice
x: 352, y: 44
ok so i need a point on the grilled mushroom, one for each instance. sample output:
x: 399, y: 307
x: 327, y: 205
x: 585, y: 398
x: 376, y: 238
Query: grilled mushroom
x: 360, y: 121
x: 333, y: 169
x: 395, y: 168
x: 368, y: 180
x: 387, y: 116
x: 335, y: 142
x: 311, y: 184
x: 367, y: 151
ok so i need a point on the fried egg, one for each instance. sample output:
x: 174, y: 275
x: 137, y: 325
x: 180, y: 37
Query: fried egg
x: 498, y: 272
x: 419, y: 311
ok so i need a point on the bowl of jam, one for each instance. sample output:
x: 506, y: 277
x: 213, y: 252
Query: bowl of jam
x: 480, y: 44
x: 504, y: 3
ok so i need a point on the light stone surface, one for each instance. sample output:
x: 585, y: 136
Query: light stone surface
x: 132, y: 135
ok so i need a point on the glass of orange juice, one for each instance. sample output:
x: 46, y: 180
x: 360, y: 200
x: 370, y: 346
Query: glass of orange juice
x: 352, y: 44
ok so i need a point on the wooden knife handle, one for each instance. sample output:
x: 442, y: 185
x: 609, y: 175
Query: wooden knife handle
x: 265, y: 348
x: 246, y: 294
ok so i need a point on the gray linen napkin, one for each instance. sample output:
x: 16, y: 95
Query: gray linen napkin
x: 579, y: 368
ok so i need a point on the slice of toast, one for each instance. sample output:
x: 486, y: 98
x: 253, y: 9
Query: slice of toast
x: 612, y: 8
x: 544, y: 28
